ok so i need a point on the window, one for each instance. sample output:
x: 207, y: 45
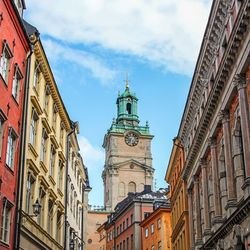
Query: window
x: 128, y: 108
x: 62, y: 134
x: 127, y: 243
x: 153, y: 247
x: 159, y: 245
x: 132, y: 218
x: 58, y: 226
x: 37, y: 72
x: 19, y: 6
x: 16, y: 83
x: 54, y: 118
x: 46, y: 98
x: 152, y: 228
x: 127, y: 222
x: 146, y: 233
x: 43, y: 145
x: 11, y: 148
x: 159, y: 223
x: 52, y: 160
x: 132, y: 242
x: 29, y: 192
x: 50, y: 217
x: 60, y: 175
x: 33, y: 126
x: 122, y: 189
x: 40, y: 218
x: 5, y: 62
x: 132, y: 187
x: 6, y: 221
x: 2, y: 120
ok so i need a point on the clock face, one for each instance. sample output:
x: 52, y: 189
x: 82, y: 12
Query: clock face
x: 131, y: 139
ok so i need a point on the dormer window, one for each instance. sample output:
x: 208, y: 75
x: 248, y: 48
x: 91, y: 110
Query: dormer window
x: 129, y: 108
x: 19, y: 6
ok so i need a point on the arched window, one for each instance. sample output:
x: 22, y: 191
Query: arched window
x: 129, y: 108
x: 132, y: 187
x: 122, y: 189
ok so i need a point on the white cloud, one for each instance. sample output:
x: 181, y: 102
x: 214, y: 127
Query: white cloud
x: 82, y: 58
x: 93, y: 156
x: 163, y: 32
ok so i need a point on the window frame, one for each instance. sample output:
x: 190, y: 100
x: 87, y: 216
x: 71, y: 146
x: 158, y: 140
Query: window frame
x: 10, y: 157
x: 16, y: 83
x: 6, y: 220
x: 33, y: 126
x: 7, y: 55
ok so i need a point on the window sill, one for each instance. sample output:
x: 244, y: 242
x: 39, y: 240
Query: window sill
x: 5, y: 84
x: 52, y: 180
x: 6, y: 244
x: 43, y: 166
x: 11, y: 169
x: 60, y: 192
x: 33, y: 150
x: 15, y: 100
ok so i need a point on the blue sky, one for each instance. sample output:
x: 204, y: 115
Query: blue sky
x: 92, y: 44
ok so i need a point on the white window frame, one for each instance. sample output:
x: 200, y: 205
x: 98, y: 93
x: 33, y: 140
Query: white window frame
x: 60, y: 174
x: 29, y: 192
x: 44, y: 142
x: 33, y: 126
x: 6, y: 221
x: 11, y: 144
x: 36, y: 76
x: 52, y: 160
x: 152, y: 228
x: 16, y: 83
x: 146, y: 233
x: 3, y: 118
x: 5, y: 61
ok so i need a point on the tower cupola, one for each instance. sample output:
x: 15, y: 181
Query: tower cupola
x: 127, y: 108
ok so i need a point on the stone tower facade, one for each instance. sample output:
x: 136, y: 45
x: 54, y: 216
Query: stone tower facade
x: 128, y: 163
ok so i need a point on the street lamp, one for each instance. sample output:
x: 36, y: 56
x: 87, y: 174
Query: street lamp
x: 72, y: 244
x: 36, y: 208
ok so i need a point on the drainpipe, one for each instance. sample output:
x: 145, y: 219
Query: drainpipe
x: 66, y: 186
x: 22, y: 154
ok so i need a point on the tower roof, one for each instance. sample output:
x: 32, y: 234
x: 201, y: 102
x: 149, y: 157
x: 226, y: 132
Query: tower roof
x: 127, y: 93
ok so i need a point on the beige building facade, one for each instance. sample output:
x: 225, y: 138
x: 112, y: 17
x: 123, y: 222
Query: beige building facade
x: 44, y: 169
x: 77, y: 195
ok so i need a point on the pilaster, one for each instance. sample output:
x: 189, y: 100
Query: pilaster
x: 191, y: 217
x: 217, y: 220
x: 231, y: 203
x: 207, y: 226
x: 198, y: 238
x: 241, y: 83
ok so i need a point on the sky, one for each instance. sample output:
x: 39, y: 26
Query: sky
x: 91, y: 45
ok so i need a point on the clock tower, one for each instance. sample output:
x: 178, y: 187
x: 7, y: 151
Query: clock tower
x: 128, y: 162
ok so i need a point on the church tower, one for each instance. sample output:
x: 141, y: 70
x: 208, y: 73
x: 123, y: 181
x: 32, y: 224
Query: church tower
x: 128, y: 162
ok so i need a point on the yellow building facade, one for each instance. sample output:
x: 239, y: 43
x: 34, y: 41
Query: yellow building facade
x: 178, y: 198
x: 44, y: 169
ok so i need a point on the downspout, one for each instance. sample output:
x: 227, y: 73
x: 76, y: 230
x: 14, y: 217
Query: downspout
x: 66, y: 187
x: 83, y: 192
x: 22, y: 154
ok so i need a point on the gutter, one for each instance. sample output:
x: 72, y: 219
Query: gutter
x: 22, y: 154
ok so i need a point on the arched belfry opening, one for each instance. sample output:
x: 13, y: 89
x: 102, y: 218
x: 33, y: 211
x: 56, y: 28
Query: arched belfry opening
x: 129, y: 107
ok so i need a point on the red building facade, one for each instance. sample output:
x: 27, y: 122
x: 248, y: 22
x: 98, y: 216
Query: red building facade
x: 123, y: 230
x: 14, y: 47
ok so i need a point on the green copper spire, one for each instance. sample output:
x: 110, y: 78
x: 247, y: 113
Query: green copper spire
x: 127, y: 107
